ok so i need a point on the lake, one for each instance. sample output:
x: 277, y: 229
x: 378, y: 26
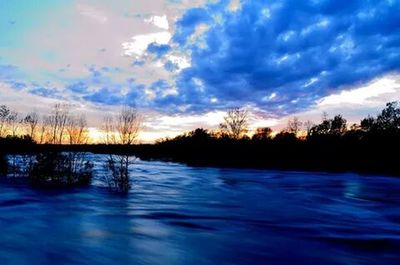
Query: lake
x: 175, y: 214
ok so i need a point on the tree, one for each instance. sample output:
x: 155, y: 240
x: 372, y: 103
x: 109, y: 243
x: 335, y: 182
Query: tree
x: 31, y: 121
x: 335, y: 126
x: 43, y: 136
x: 122, y: 129
x: 262, y: 134
x: 13, y: 122
x: 389, y: 119
x: 77, y: 132
x: 235, y: 123
x: 127, y: 126
x: 199, y: 134
x: 338, y: 125
x: 308, y: 125
x: 368, y: 124
x: 57, y: 121
x: 294, y: 125
x: 4, y: 113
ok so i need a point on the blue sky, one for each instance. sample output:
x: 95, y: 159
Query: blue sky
x: 184, y: 63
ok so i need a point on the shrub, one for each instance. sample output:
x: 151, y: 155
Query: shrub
x: 59, y: 169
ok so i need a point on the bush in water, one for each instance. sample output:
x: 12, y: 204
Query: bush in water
x: 61, y: 169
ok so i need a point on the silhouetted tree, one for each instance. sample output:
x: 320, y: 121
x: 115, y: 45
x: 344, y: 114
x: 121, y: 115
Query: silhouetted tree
x: 4, y: 113
x: 122, y: 129
x: 199, y: 134
x: 294, y: 125
x: 389, y: 119
x: 368, y: 124
x: 262, y: 134
x: 338, y: 125
x: 43, y: 136
x: 308, y: 125
x: 76, y: 130
x: 285, y: 137
x: 32, y: 121
x: 13, y: 122
x: 235, y: 123
x: 57, y: 122
x: 335, y: 126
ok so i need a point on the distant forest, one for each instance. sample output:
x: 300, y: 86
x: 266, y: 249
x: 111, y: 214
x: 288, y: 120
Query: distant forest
x: 371, y: 146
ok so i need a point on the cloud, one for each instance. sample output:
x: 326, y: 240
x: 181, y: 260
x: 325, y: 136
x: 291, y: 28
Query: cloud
x: 186, y: 26
x: 159, y: 21
x: 140, y: 43
x: 355, y: 103
x: 364, y: 95
x: 158, y: 49
x: 298, y: 51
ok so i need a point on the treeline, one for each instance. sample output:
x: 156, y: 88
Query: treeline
x: 60, y: 126
x: 20, y: 157
x: 370, y: 146
x: 53, y: 151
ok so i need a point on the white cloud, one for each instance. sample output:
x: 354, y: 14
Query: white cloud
x: 138, y: 46
x: 364, y: 94
x: 354, y: 104
x: 159, y: 21
x: 181, y: 61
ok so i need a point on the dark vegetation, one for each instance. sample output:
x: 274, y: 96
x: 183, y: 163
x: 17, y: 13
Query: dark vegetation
x: 60, y: 169
x: 57, y: 155
x: 54, y: 152
x: 370, y: 147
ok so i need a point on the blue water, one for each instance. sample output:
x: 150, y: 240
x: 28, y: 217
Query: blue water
x: 175, y: 214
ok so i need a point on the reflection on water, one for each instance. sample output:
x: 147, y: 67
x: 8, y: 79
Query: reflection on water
x: 176, y: 214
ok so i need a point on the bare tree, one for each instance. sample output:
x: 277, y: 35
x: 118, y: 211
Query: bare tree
x: 308, y: 125
x: 123, y: 130
x: 108, y: 129
x: 235, y: 123
x: 4, y: 113
x: 57, y: 121
x: 13, y: 122
x: 44, y: 133
x: 32, y: 121
x: 77, y: 131
x: 294, y: 125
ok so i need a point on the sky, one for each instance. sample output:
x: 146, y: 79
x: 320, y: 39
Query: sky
x: 184, y: 63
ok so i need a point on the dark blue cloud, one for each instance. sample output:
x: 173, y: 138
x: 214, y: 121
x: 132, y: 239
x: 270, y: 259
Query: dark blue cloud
x: 45, y: 92
x: 187, y: 24
x: 113, y: 94
x: 160, y: 85
x: 158, y: 49
x: 11, y: 75
x: 284, y: 55
x: 78, y: 87
x: 170, y: 66
x: 100, y: 88
x: 138, y: 63
x: 17, y: 85
x: 106, y: 95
